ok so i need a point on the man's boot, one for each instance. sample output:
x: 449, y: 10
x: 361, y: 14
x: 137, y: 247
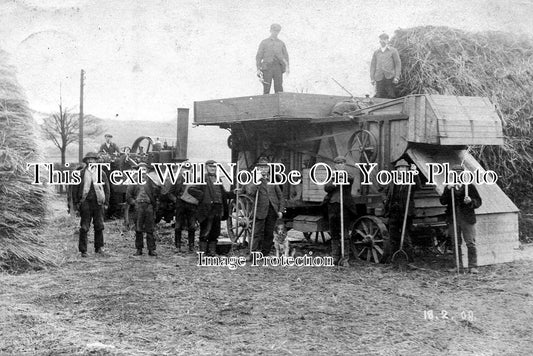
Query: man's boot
x: 336, y: 251
x: 150, y: 242
x: 82, y: 243
x: 203, y: 246
x: 472, y: 259
x: 139, y: 252
x: 454, y: 270
x: 190, y: 237
x: 212, y: 248
x: 98, y: 241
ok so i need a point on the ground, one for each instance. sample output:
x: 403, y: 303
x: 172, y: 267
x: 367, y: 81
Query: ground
x: 118, y: 304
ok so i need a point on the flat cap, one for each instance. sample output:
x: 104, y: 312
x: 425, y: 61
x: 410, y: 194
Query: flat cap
x: 210, y: 162
x: 457, y: 167
x: 401, y: 163
x: 384, y: 36
x: 262, y: 161
x: 340, y: 159
x: 275, y: 27
x: 108, y: 135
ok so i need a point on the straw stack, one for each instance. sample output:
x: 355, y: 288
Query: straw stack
x: 22, y: 205
x: 442, y: 60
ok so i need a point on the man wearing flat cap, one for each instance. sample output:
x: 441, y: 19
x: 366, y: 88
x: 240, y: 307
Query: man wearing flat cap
x: 109, y: 147
x: 395, y: 207
x: 212, y: 209
x: 466, y: 199
x: 333, y: 202
x: 145, y: 198
x: 385, y: 68
x: 270, y: 207
x: 90, y: 198
x: 272, y: 60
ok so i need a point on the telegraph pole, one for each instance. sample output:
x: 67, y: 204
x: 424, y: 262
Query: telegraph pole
x: 80, y: 138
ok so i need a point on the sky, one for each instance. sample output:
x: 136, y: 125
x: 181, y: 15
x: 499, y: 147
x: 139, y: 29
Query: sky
x: 143, y: 59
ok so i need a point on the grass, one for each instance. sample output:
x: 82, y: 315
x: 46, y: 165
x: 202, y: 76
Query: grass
x: 119, y: 304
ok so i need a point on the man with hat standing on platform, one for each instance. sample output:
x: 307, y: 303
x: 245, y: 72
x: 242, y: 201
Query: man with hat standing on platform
x: 394, y: 209
x: 272, y: 60
x: 212, y: 209
x: 145, y: 198
x: 90, y: 198
x: 466, y: 199
x: 109, y: 147
x: 270, y: 207
x: 385, y: 68
x: 333, y: 202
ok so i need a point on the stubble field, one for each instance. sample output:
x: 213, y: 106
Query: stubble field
x: 118, y: 304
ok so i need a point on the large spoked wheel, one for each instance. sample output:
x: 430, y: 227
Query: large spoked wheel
x: 369, y: 237
x: 240, y: 219
x: 363, y: 146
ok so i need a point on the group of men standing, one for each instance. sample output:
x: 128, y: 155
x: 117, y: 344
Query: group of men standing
x: 272, y: 60
x: 207, y: 206
x: 461, y: 200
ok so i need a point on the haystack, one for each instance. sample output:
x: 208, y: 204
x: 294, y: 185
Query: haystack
x: 442, y: 60
x: 22, y: 205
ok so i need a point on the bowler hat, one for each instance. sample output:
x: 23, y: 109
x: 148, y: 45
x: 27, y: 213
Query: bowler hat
x: 90, y: 155
x: 340, y: 159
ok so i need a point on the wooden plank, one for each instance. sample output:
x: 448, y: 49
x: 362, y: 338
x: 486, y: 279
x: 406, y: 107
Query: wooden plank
x: 295, y: 105
x: 307, y: 105
x: 427, y: 202
x: 430, y: 211
x: 498, y: 141
x: 422, y: 127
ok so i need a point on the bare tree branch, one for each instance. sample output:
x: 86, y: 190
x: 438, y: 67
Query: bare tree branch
x: 63, y: 129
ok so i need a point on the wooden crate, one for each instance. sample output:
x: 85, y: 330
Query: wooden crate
x: 310, y: 223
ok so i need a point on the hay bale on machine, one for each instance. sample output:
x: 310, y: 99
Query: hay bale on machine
x: 442, y: 60
x: 22, y: 205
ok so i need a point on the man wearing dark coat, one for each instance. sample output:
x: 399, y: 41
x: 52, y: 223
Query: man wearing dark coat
x: 186, y: 198
x: 270, y: 207
x: 91, y: 198
x: 385, y: 68
x: 333, y: 203
x: 272, y: 60
x: 212, y: 209
x: 467, y: 199
x: 394, y: 210
x: 109, y: 147
x: 145, y: 198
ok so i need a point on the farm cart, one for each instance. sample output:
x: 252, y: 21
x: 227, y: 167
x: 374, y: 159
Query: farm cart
x: 299, y: 131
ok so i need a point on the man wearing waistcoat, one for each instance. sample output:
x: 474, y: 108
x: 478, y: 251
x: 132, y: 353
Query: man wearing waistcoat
x: 90, y: 198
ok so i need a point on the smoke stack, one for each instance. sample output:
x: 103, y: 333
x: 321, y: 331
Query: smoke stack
x: 182, y: 134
